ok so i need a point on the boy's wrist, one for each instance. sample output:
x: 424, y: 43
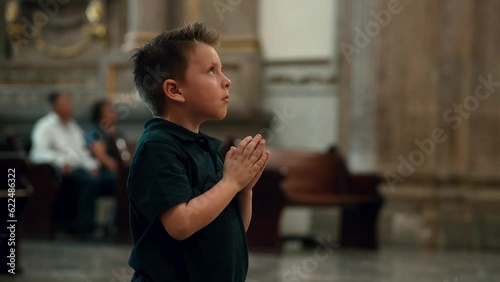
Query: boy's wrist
x: 228, y: 183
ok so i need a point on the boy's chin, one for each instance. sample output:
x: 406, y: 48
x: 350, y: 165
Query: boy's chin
x: 221, y: 117
x: 218, y: 117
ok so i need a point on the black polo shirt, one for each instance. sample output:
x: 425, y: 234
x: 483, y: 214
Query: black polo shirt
x: 173, y: 165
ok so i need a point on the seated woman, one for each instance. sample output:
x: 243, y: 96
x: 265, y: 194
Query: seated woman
x: 102, y: 139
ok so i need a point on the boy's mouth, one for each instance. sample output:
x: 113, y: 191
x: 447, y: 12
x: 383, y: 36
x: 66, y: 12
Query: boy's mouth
x: 226, y: 98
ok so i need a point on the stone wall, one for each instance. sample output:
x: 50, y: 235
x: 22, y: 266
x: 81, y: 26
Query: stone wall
x: 417, y: 107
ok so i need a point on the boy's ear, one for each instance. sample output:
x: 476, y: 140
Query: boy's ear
x: 172, y: 91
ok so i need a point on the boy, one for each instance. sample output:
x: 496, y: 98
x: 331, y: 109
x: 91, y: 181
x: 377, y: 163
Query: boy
x: 189, y: 208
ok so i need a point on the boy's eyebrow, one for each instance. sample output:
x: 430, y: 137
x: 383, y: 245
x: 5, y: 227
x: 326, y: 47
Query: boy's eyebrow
x: 216, y: 64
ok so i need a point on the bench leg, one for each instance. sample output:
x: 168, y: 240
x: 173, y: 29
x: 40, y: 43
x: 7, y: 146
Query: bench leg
x: 359, y: 226
x: 263, y: 235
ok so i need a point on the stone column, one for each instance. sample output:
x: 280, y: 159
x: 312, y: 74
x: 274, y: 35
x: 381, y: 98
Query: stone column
x: 419, y: 77
x: 145, y: 22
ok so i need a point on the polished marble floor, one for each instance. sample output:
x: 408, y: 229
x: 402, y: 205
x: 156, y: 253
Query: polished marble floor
x: 66, y: 260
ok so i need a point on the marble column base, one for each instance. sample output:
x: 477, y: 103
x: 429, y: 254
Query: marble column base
x: 453, y: 216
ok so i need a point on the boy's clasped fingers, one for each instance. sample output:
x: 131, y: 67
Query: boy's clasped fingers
x: 251, y: 146
x: 257, y: 152
x: 262, y: 160
x: 246, y: 161
x: 243, y: 144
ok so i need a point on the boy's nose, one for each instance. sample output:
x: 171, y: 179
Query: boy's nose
x: 226, y: 82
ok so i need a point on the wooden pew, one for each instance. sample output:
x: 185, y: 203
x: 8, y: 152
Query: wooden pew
x: 43, y: 187
x: 15, y: 192
x: 38, y: 220
x: 300, y: 178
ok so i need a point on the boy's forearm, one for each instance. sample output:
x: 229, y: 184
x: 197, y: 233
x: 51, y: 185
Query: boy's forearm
x: 245, y: 201
x: 185, y: 219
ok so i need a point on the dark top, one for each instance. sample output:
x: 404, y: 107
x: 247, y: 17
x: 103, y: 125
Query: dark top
x: 107, y: 180
x: 173, y: 165
x: 97, y: 133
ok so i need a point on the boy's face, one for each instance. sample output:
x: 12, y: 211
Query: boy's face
x: 205, y: 87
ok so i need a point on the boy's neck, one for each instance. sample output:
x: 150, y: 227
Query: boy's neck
x: 184, y: 122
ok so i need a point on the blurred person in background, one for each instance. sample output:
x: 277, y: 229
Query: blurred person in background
x: 57, y: 139
x: 101, y: 138
x: 107, y: 145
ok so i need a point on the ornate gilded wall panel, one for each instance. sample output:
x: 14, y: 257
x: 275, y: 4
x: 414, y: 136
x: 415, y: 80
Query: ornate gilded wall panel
x: 28, y: 73
x: 23, y: 90
x: 58, y: 29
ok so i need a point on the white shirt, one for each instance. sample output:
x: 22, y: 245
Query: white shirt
x: 59, y: 144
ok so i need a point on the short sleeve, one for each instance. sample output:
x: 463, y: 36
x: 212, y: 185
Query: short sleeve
x: 158, y: 180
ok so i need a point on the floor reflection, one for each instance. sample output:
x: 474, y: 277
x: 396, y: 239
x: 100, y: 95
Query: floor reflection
x: 52, y: 261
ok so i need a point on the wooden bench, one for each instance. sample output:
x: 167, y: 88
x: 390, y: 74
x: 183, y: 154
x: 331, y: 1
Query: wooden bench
x: 39, y: 220
x: 43, y: 187
x: 300, y: 178
x: 15, y: 192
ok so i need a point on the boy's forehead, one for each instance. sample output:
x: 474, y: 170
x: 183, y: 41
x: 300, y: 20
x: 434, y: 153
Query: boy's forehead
x: 203, y: 54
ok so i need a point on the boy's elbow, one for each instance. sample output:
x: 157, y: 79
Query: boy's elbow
x: 178, y: 233
x: 175, y: 225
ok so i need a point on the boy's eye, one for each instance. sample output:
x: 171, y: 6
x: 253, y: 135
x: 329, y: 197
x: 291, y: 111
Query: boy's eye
x: 211, y: 70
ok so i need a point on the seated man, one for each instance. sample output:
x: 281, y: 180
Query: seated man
x: 57, y: 139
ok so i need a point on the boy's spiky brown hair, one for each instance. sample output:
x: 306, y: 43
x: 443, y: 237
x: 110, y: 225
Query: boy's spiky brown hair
x: 166, y: 57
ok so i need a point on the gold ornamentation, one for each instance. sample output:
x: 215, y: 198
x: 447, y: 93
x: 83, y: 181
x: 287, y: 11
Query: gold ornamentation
x: 95, y: 11
x: 12, y: 11
x: 93, y: 28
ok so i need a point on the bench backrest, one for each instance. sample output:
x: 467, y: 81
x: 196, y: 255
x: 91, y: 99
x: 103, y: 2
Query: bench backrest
x: 311, y: 172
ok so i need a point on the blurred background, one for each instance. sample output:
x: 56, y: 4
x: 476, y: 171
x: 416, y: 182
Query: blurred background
x: 402, y: 91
